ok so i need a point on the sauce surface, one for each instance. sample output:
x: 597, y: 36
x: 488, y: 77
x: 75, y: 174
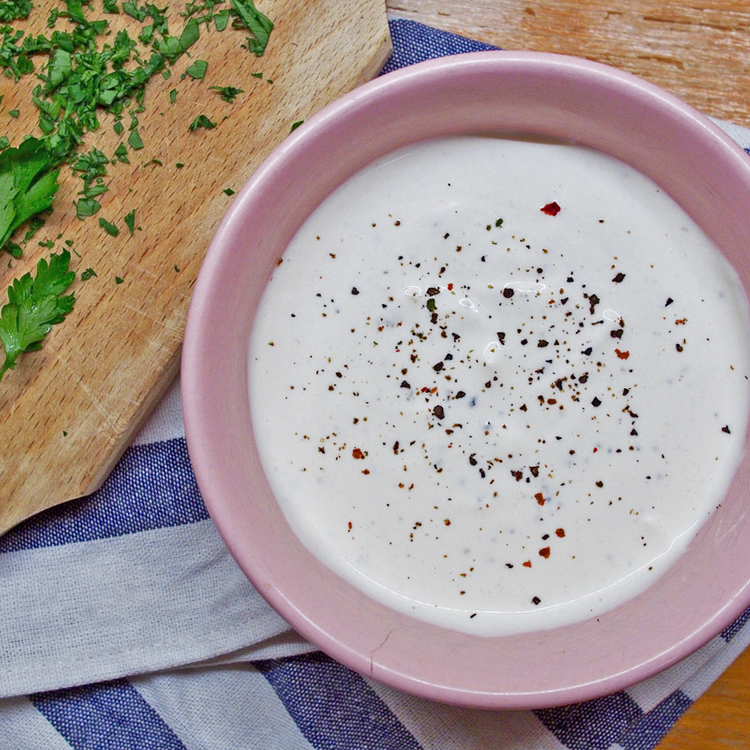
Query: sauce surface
x: 499, y: 384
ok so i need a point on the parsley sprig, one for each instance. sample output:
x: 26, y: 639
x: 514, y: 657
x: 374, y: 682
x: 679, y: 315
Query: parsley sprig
x: 27, y: 185
x: 34, y: 305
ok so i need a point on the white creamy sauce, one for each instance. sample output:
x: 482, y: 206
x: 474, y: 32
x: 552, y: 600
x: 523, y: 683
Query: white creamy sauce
x: 500, y: 426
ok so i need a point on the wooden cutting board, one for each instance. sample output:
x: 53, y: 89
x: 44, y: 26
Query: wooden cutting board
x: 697, y: 49
x: 69, y: 411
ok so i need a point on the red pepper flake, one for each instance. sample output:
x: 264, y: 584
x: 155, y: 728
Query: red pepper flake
x: 365, y: 471
x: 551, y: 209
x: 527, y: 564
x: 595, y: 450
x: 450, y: 287
x: 357, y: 453
x: 560, y: 532
x: 539, y: 497
x: 447, y: 522
x: 350, y: 525
x: 622, y: 355
x: 680, y: 321
x: 545, y: 552
x: 725, y: 428
x: 536, y: 600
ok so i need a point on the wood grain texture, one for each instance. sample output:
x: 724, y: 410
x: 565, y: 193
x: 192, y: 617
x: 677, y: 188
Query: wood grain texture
x: 68, y: 412
x: 720, y: 719
x: 697, y: 50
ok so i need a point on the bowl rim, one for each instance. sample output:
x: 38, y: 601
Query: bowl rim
x: 206, y: 408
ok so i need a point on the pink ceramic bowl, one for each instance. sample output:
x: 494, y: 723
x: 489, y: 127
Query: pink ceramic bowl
x: 493, y: 92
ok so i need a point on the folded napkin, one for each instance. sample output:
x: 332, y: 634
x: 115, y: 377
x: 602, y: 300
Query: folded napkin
x: 126, y: 624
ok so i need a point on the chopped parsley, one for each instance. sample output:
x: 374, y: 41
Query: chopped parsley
x: 130, y: 221
x: 13, y: 10
x: 134, y: 140
x: 221, y: 19
x: 258, y: 24
x: 197, y: 69
x: 201, y: 122
x: 227, y: 93
x: 83, y: 70
x: 87, y: 207
x: 92, y: 168
x: 108, y: 227
x: 121, y: 154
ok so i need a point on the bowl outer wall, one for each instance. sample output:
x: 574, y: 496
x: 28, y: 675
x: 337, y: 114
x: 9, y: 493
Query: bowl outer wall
x: 490, y: 92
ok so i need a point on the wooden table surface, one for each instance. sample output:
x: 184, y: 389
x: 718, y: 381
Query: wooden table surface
x: 698, y: 50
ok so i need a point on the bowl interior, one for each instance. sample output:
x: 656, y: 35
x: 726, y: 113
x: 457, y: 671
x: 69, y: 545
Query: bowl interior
x: 493, y: 93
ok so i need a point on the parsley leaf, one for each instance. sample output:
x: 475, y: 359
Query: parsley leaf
x: 258, y: 24
x: 221, y: 19
x: 201, y: 122
x: 227, y: 93
x: 108, y: 227
x: 87, y: 207
x: 34, y: 306
x: 197, y: 69
x: 190, y: 34
x: 134, y: 140
x: 27, y: 185
x: 130, y: 221
x: 121, y: 154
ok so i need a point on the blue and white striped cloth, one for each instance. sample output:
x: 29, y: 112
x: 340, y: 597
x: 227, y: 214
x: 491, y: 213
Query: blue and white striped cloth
x: 126, y: 625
